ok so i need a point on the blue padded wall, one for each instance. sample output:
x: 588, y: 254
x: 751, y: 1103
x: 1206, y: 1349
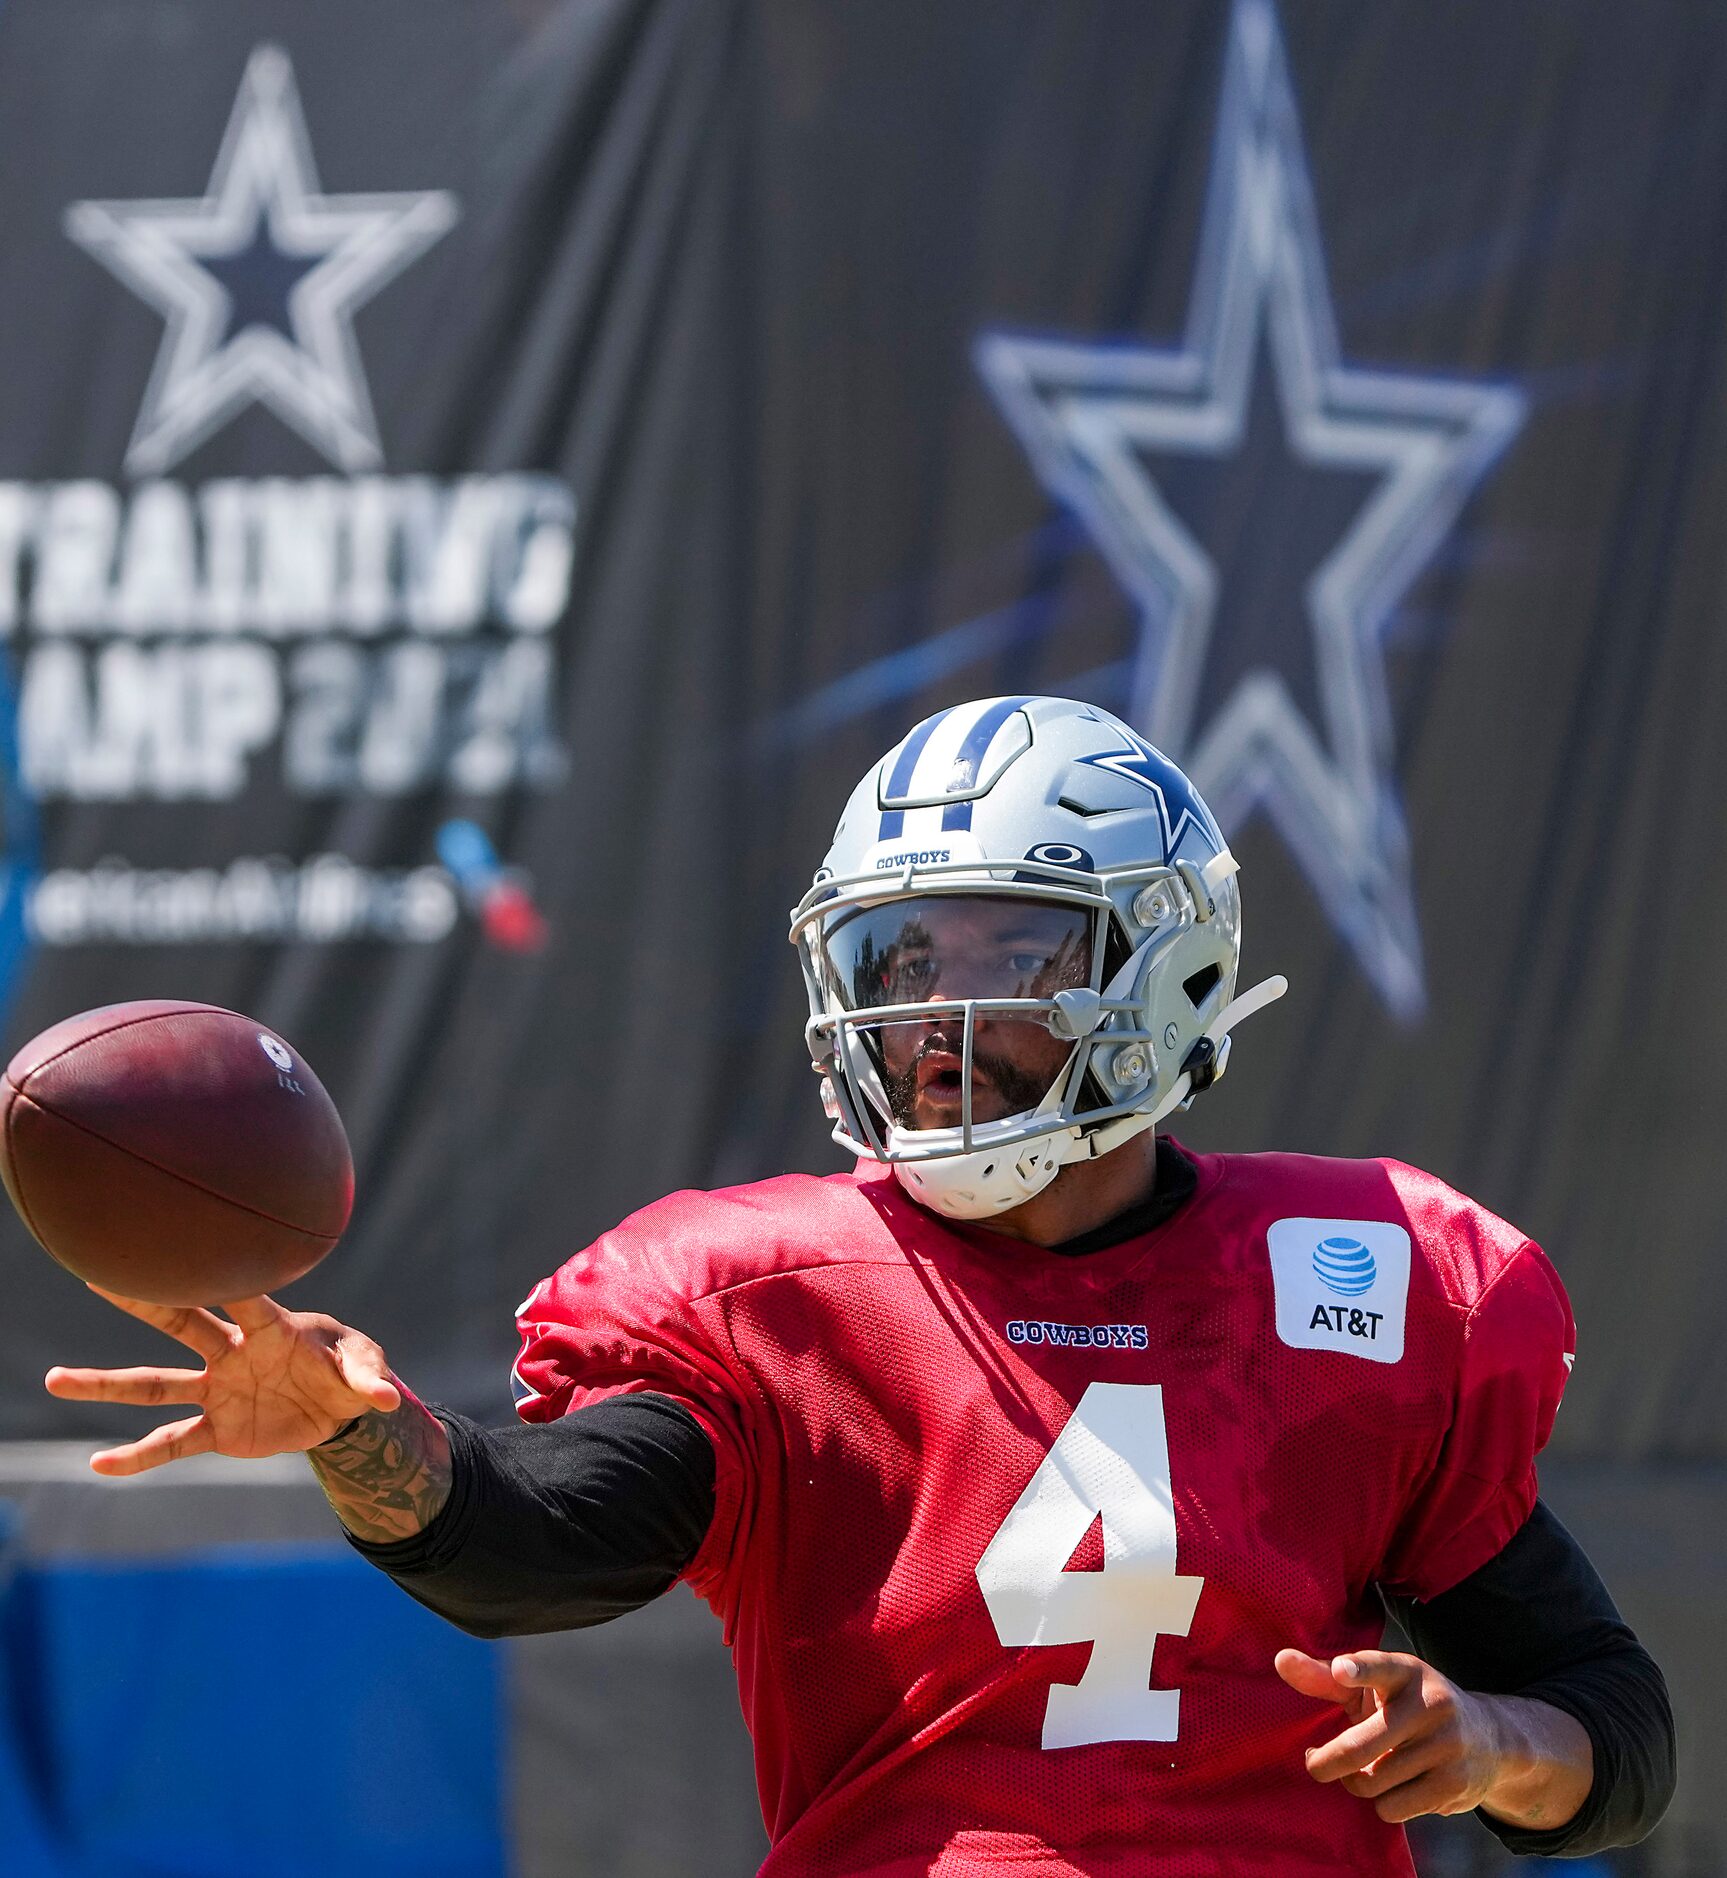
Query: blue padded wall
x: 267, y: 1712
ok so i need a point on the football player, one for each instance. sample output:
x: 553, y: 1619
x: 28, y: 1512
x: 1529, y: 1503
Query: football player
x: 1051, y: 1481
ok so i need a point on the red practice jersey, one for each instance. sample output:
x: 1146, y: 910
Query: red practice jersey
x: 1005, y: 1541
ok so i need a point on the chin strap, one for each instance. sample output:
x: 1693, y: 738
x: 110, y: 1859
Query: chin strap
x: 1216, y: 1034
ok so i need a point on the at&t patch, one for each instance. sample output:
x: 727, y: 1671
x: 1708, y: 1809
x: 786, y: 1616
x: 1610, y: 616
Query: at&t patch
x: 1341, y: 1284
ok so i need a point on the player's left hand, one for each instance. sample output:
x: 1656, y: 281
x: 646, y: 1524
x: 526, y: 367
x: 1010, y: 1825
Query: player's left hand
x: 1416, y: 1743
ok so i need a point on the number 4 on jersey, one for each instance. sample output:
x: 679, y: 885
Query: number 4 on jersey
x: 1112, y: 1459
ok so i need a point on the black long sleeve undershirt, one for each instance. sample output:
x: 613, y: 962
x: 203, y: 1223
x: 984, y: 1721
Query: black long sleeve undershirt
x: 1536, y: 1620
x: 560, y: 1526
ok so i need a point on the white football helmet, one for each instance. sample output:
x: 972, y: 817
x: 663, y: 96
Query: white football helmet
x: 1041, y: 864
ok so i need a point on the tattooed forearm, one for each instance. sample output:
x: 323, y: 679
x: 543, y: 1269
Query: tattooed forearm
x: 389, y: 1475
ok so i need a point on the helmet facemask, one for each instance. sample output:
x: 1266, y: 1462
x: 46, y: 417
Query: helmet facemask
x: 1020, y: 952
x: 1021, y: 1066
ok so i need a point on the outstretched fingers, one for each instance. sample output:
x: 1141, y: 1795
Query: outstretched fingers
x: 144, y: 1388
x: 173, y: 1441
x: 199, y: 1330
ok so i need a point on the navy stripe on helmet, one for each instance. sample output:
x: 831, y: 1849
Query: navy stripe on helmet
x: 899, y: 783
x: 972, y: 753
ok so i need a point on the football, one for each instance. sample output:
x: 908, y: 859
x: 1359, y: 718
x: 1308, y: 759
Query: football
x: 173, y: 1152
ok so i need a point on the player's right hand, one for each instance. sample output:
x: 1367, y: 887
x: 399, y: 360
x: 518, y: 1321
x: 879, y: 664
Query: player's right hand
x: 273, y: 1382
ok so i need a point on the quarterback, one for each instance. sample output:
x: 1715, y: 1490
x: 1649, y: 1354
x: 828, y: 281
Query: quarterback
x: 1052, y: 1482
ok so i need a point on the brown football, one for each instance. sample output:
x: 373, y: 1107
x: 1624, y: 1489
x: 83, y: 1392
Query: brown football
x: 174, y: 1152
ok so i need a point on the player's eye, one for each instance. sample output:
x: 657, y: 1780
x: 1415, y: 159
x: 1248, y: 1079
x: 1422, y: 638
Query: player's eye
x: 913, y: 974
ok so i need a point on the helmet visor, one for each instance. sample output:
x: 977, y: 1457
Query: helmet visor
x: 950, y: 951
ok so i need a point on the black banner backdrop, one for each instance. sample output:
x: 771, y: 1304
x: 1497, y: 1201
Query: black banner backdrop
x: 477, y: 486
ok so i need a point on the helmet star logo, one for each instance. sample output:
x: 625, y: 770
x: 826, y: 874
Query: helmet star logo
x: 1089, y: 414
x: 258, y: 281
x: 1140, y: 763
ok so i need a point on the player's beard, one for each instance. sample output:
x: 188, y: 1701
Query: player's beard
x: 1016, y: 1089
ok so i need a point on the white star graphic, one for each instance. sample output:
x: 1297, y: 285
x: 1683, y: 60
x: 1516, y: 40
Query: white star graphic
x: 1085, y: 413
x: 264, y: 189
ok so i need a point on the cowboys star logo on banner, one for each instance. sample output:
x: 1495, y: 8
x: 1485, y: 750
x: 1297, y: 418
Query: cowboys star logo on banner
x: 259, y: 280
x: 1092, y: 417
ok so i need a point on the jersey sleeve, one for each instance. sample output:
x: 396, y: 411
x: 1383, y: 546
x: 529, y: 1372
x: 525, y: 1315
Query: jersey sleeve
x: 1517, y: 1350
x: 625, y: 1317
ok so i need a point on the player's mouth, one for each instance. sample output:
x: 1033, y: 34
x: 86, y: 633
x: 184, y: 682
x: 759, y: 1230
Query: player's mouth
x: 943, y: 1069
x: 941, y: 1077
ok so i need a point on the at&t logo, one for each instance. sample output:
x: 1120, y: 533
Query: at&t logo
x: 1345, y: 1266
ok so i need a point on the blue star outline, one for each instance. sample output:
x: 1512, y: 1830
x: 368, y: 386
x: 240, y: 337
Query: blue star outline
x: 1088, y: 415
